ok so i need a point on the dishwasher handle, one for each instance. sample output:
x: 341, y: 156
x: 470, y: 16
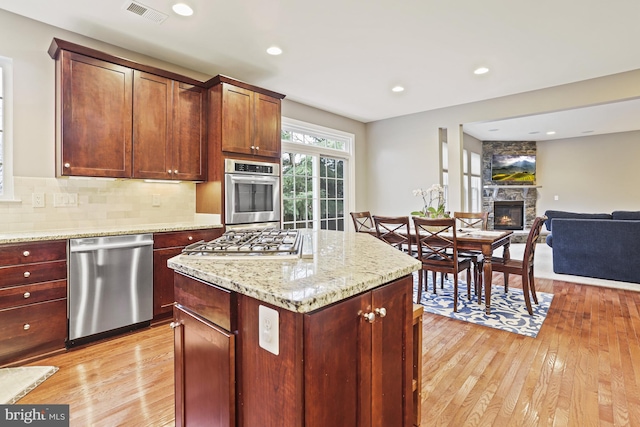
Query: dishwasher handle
x: 96, y: 247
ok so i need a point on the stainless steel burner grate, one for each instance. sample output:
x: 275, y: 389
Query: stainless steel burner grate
x: 246, y: 242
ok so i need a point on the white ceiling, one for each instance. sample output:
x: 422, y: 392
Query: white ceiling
x: 344, y: 56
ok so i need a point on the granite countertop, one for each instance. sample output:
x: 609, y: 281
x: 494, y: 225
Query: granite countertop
x: 343, y: 264
x: 37, y: 236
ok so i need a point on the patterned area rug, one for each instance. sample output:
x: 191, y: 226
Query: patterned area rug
x: 15, y: 383
x: 508, y: 311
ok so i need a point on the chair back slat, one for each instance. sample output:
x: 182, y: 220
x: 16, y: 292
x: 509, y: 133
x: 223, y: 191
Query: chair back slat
x: 394, y: 230
x: 436, y: 239
x: 532, y: 239
x: 362, y: 221
x: 472, y: 219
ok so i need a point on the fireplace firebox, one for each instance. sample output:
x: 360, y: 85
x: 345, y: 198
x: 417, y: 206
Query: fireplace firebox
x: 508, y: 215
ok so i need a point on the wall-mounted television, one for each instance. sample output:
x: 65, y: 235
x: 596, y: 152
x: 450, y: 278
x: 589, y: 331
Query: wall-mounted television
x: 510, y: 168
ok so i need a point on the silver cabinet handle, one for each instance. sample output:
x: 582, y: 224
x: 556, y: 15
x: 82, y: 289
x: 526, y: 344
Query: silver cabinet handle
x: 27, y: 294
x: 190, y: 237
x: 169, y: 171
x: 175, y: 324
x: 26, y: 326
x: 26, y: 274
x: 253, y: 147
x: 369, y: 317
x: 175, y: 171
x: 381, y: 311
x: 67, y: 165
x: 257, y: 148
x: 26, y: 253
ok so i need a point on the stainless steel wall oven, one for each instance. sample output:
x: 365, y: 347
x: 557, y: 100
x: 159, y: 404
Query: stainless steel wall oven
x: 252, y: 193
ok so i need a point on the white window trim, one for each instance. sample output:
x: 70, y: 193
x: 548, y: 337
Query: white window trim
x: 7, y: 81
x: 348, y: 154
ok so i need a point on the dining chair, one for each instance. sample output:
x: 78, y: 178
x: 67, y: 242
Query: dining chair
x: 438, y: 252
x: 363, y: 222
x: 394, y: 230
x: 523, y: 267
x: 473, y: 220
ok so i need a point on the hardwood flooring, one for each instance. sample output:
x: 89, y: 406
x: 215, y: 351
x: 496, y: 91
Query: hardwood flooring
x: 125, y: 381
x: 583, y: 369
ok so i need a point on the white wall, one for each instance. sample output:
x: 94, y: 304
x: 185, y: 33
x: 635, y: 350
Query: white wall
x: 596, y: 173
x: 403, y: 151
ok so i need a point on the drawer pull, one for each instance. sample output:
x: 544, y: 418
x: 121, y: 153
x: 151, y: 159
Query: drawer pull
x: 26, y: 253
x: 26, y: 274
x: 27, y: 294
x: 190, y: 237
x: 174, y: 325
x: 26, y: 326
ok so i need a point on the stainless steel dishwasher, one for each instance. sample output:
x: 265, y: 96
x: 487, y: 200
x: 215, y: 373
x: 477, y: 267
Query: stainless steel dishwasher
x: 110, y: 285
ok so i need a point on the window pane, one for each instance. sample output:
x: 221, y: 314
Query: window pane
x: 445, y: 156
x: 476, y: 164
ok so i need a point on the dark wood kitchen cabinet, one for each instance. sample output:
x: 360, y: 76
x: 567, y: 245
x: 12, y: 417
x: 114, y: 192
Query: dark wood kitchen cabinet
x: 94, y: 110
x: 334, y: 367
x: 117, y: 118
x: 33, y: 300
x: 168, y: 129
x: 167, y: 245
x: 249, y: 120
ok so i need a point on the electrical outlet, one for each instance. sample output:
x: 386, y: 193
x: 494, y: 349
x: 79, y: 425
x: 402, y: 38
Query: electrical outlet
x: 60, y: 200
x: 73, y: 199
x: 269, y: 329
x: 155, y: 200
x: 37, y: 200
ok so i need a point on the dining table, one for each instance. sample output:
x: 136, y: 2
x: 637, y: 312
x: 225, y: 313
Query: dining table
x: 485, y: 241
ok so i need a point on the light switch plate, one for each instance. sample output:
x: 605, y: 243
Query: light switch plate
x: 268, y: 324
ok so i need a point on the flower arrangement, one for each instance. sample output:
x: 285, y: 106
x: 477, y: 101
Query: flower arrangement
x: 434, y: 207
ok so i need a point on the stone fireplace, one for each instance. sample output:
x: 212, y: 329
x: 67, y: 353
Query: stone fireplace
x: 508, y: 215
x: 506, y: 195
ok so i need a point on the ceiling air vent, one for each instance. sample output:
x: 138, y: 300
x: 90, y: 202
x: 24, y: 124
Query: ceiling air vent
x: 145, y: 11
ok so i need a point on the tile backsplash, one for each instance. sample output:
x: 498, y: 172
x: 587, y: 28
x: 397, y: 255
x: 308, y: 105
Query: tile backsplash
x: 95, y: 202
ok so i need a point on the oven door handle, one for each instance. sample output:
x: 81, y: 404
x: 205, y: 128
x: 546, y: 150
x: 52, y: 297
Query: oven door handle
x: 255, y: 178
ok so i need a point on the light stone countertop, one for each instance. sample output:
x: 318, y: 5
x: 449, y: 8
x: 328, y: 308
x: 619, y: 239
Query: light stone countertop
x: 38, y: 236
x: 344, y: 264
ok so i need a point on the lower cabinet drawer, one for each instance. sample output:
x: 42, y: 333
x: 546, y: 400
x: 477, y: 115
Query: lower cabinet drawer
x: 16, y: 296
x: 32, y: 330
x: 32, y: 273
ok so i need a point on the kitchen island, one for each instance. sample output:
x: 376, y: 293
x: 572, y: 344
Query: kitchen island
x: 296, y: 342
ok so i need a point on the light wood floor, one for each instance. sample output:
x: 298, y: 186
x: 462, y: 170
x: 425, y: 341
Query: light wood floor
x: 583, y: 369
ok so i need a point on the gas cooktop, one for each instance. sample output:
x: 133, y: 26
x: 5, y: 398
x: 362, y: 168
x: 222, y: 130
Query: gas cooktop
x: 266, y: 242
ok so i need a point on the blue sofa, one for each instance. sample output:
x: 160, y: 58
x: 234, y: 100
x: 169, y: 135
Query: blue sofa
x: 605, y: 246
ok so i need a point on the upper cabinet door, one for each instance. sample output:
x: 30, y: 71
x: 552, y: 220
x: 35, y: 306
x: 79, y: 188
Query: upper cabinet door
x: 189, y: 141
x: 267, y: 126
x: 95, y: 134
x: 152, y: 105
x: 237, y: 119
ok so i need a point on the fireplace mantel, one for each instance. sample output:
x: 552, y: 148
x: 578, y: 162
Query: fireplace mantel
x: 496, y: 187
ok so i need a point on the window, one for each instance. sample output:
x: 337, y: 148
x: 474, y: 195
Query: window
x: 445, y: 173
x: 475, y: 190
x: 472, y: 181
x: 316, y: 177
x: 6, y: 156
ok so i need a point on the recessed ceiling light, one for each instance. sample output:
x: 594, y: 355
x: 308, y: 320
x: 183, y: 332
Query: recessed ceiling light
x: 481, y: 70
x: 397, y: 89
x: 182, y: 9
x: 274, y: 50
x: 551, y: 132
